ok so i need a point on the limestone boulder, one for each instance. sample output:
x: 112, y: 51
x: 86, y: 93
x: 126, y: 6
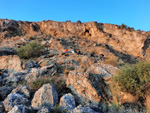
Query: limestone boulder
x: 87, y: 88
x: 11, y: 62
x: 14, y: 99
x: 45, y: 96
x: 67, y: 101
x: 106, y: 71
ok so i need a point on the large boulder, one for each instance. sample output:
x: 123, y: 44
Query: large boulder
x: 14, y: 99
x: 45, y: 96
x: 87, y: 88
x: 10, y: 62
x: 67, y: 101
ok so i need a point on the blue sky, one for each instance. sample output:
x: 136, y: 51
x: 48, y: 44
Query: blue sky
x: 134, y: 13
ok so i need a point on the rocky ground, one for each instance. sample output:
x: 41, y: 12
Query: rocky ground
x: 75, y: 82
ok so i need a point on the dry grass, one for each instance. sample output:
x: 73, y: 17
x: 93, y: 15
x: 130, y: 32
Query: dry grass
x: 111, y: 61
x: 58, y: 82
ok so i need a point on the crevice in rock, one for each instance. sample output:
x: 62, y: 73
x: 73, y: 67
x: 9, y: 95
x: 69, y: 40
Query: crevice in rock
x: 146, y: 45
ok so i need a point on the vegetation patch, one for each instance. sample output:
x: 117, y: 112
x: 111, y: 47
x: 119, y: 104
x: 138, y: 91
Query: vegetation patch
x: 30, y: 50
x: 134, y: 79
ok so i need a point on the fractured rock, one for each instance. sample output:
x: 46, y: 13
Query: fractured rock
x: 14, y: 99
x: 87, y: 88
x: 23, y: 90
x: 10, y: 62
x: 67, y: 101
x: 20, y: 109
x: 45, y: 96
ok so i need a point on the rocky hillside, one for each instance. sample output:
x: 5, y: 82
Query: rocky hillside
x: 118, y: 39
x: 39, y: 75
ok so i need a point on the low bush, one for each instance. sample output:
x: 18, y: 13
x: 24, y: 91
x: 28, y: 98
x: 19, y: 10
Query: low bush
x: 30, y: 50
x: 134, y: 79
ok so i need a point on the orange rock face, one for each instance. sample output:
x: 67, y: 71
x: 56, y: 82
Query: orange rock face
x: 126, y: 41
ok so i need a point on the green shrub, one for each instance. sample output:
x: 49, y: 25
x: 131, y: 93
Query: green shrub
x: 30, y: 50
x: 123, y: 25
x: 134, y: 79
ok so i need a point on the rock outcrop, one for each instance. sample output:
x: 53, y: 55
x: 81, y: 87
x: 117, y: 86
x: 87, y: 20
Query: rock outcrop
x: 88, y: 88
x: 121, y: 40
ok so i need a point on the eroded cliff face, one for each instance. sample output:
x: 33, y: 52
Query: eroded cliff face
x: 118, y: 39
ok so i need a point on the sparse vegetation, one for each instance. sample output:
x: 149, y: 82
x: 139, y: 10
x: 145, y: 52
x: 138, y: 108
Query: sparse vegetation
x: 58, y: 109
x: 134, y: 79
x: 30, y: 50
x: 58, y: 82
x: 111, y: 61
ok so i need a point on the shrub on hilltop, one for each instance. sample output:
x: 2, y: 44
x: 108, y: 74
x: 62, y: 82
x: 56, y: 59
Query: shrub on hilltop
x: 30, y: 50
x: 134, y: 79
x: 123, y: 25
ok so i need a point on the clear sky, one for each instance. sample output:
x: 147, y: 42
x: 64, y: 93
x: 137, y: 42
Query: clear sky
x: 134, y: 13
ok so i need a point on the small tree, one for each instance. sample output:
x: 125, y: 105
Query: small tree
x: 123, y: 25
